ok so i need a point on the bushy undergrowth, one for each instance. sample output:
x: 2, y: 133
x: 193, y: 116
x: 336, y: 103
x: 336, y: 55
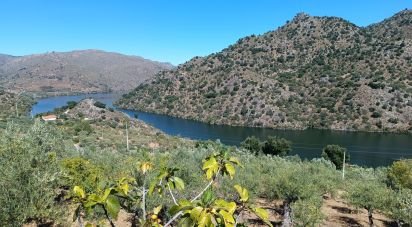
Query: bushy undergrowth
x: 38, y: 171
x: 29, y: 176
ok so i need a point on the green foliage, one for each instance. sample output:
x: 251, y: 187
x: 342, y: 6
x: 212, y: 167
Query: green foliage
x: 165, y: 178
x: 81, y: 172
x: 400, y: 174
x: 99, y: 104
x: 252, y: 144
x: 220, y: 163
x: 307, y: 212
x: 29, y: 174
x: 401, y: 206
x: 335, y: 153
x: 71, y: 104
x: 277, y: 146
x: 106, y: 198
x: 82, y: 126
x: 370, y: 195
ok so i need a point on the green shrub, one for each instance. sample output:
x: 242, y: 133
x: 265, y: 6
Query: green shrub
x: 252, y: 144
x: 277, y: 146
x: 79, y: 171
x: 400, y: 174
x: 29, y: 176
x: 335, y: 153
x: 99, y: 104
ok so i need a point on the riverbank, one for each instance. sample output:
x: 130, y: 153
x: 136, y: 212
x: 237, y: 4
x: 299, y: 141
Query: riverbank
x: 366, y: 148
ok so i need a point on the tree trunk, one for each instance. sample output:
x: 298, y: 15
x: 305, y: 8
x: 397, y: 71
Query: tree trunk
x: 79, y: 221
x: 108, y: 217
x: 370, y: 217
x: 287, y: 220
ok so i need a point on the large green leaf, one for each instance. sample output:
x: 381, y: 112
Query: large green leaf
x: 211, y: 167
x: 113, y: 206
x: 230, y: 169
x: 207, y: 197
x: 205, y: 220
x: 227, y: 218
x: 243, y: 193
x: 152, y: 187
x: 211, y: 163
x: 196, y: 212
x: 179, y: 184
x: 182, y: 205
x: 106, y: 194
x: 262, y: 214
x: 224, y: 205
x: 79, y: 192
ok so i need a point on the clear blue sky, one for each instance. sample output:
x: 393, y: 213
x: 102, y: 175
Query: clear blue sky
x: 163, y: 30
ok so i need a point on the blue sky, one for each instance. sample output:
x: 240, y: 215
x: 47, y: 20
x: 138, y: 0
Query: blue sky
x: 162, y: 30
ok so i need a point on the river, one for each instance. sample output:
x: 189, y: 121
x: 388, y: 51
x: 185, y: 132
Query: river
x: 365, y: 148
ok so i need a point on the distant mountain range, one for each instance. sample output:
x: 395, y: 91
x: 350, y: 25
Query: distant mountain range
x: 313, y: 72
x: 77, y: 71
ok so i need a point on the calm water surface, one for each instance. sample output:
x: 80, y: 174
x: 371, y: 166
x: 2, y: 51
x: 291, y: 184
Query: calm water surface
x: 366, y: 149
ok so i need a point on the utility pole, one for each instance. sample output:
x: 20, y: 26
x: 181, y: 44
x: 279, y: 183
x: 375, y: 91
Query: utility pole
x: 127, y: 138
x: 343, y: 165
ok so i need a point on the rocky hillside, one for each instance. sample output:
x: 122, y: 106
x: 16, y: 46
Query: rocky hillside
x: 5, y: 58
x: 77, y: 71
x: 320, y: 72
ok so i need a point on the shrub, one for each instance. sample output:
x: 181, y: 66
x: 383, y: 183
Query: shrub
x: 335, y: 153
x: 79, y: 171
x: 400, y: 174
x: 29, y: 175
x: 99, y: 104
x: 277, y: 146
x: 252, y: 144
x: 376, y: 114
x: 71, y: 104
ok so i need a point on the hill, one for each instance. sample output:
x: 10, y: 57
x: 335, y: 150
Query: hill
x: 5, y: 58
x: 76, y: 72
x: 313, y: 72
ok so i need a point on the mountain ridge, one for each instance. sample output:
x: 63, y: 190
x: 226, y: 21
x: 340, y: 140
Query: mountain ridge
x: 78, y: 71
x: 313, y: 72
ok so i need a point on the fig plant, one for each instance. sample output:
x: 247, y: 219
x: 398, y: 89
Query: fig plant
x: 204, y: 209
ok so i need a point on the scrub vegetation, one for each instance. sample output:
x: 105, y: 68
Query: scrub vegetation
x: 77, y: 171
x: 313, y: 72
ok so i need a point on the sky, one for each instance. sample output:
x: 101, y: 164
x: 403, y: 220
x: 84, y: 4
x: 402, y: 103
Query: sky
x: 163, y: 30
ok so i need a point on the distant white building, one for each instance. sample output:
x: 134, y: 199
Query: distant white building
x: 50, y: 117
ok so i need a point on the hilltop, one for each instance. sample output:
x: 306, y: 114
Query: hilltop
x: 83, y: 71
x: 313, y: 72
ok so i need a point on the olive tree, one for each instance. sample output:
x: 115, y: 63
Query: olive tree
x: 401, y: 206
x: 300, y: 186
x: 30, y: 174
x: 335, y: 154
x: 370, y: 195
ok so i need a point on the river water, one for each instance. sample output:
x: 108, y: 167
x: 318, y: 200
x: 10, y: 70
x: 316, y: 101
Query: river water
x: 365, y: 148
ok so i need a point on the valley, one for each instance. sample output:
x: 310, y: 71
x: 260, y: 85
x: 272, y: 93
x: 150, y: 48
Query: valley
x: 307, y: 124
